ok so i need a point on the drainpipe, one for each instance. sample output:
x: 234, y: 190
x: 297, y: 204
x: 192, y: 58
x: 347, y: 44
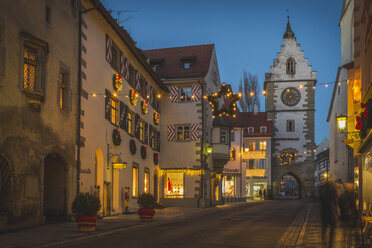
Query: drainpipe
x: 241, y: 164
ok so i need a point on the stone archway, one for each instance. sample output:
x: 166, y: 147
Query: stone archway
x: 55, y: 172
x: 6, y: 175
x: 289, y: 187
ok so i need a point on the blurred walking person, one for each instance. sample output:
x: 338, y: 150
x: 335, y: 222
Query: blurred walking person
x: 329, y: 201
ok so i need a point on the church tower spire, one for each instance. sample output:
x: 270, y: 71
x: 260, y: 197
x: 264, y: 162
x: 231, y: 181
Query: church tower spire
x: 288, y: 33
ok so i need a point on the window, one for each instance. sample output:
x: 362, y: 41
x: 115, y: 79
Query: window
x: 135, y: 181
x: 228, y: 185
x: 263, y: 129
x: 290, y: 125
x: 187, y: 66
x: 223, y: 136
x: 232, y: 136
x: 290, y: 66
x: 152, y: 138
x: 63, y: 89
x: 30, y: 68
x: 185, y: 94
x: 132, y: 76
x: 130, y: 123
x: 146, y: 188
x: 114, y: 112
x: 141, y: 131
x: 183, y: 133
x: 262, y: 145
x: 250, y: 130
x: 115, y: 56
x: 251, y: 145
x: 174, y: 185
x: 262, y: 164
x: 251, y: 164
x: 232, y: 153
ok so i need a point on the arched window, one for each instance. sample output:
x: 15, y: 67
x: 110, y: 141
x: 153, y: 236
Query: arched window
x: 291, y: 66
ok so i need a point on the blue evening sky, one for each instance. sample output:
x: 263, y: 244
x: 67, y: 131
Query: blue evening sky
x: 247, y: 35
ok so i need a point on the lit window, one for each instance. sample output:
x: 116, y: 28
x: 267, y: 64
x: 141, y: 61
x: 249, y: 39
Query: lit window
x: 290, y: 66
x: 146, y: 188
x: 228, y: 186
x: 130, y: 121
x: 252, y: 145
x: 185, y: 94
x: 183, y: 133
x: 263, y: 129
x: 251, y: 164
x: 174, y: 185
x: 263, y: 145
x: 250, y: 130
x: 63, y: 89
x: 29, y: 68
x: 232, y: 153
x: 135, y: 182
x: 114, y: 112
x: 152, y: 138
x: 141, y: 132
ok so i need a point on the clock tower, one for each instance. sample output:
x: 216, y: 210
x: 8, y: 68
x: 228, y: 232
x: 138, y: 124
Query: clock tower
x: 290, y: 96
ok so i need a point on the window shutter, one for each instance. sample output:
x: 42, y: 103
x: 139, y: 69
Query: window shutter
x: 108, y: 49
x: 195, y: 91
x: 171, y: 132
x: 125, y: 121
x: 194, y: 132
x: 158, y: 141
x: 107, y: 105
x: 136, y: 126
x: 138, y: 83
x: 153, y: 96
x: 122, y: 120
x: 126, y: 69
x: 173, y: 93
x: 146, y: 139
x: 122, y: 64
x: 144, y: 90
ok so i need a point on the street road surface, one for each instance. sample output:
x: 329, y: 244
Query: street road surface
x: 260, y: 224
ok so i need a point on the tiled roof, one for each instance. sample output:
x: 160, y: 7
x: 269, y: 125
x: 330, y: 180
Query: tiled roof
x: 171, y: 60
x: 245, y: 120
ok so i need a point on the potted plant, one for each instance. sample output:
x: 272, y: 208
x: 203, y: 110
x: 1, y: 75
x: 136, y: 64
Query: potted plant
x: 84, y: 208
x: 147, y: 204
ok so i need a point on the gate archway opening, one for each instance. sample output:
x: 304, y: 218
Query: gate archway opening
x: 55, y: 171
x: 289, y: 187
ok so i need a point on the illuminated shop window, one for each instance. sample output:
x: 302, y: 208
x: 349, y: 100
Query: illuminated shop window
x: 135, y: 181
x: 174, y: 185
x: 228, y: 186
x: 232, y: 153
x: 146, y: 188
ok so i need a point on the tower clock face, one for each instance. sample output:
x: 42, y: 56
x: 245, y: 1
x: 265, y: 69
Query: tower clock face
x: 291, y: 96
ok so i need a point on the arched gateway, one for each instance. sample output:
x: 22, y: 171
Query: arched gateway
x: 289, y: 187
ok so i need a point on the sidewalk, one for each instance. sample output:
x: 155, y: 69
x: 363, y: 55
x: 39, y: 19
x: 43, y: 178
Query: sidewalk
x: 50, y: 235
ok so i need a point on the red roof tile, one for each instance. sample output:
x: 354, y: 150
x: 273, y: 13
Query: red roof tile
x: 248, y: 119
x: 171, y: 60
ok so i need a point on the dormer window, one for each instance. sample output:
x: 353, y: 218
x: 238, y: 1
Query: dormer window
x: 250, y: 130
x: 291, y: 66
x: 156, y: 67
x: 186, y: 65
x: 263, y: 129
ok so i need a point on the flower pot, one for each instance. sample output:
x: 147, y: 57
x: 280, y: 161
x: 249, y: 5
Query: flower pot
x: 87, y: 223
x: 146, y: 214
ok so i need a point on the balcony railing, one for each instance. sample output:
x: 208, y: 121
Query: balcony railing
x: 254, y: 154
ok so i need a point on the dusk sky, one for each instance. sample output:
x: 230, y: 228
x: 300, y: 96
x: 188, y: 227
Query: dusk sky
x: 247, y: 35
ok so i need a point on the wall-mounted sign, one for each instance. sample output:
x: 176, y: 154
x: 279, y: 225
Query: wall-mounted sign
x: 119, y: 165
x: 230, y: 170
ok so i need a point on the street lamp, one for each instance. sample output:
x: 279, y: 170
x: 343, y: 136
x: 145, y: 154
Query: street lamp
x: 209, y: 150
x: 341, y: 122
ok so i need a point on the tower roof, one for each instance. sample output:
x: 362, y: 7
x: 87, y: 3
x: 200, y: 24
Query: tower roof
x: 288, y: 32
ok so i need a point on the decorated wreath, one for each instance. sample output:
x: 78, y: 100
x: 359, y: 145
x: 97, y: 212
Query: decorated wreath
x: 156, y: 158
x: 132, y: 146
x: 144, y: 107
x: 116, y: 136
x: 117, y: 82
x: 133, y: 95
x: 156, y: 118
x: 143, y: 151
x: 225, y: 92
x: 286, y: 158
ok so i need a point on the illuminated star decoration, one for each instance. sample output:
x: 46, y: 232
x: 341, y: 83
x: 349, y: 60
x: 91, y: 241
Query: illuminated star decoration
x: 285, y: 158
x: 224, y: 92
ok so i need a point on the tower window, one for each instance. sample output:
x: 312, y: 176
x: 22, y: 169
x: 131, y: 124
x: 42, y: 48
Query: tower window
x: 290, y: 66
x: 290, y: 125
